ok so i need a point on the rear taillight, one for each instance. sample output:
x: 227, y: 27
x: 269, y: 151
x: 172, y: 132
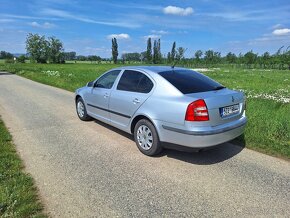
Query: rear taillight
x: 197, y: 111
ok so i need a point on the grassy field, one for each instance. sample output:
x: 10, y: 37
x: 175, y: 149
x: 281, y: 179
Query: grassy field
x: 268, y: 92
x: 18, y: 195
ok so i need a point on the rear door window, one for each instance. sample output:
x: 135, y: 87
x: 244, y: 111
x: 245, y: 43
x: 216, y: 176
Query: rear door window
x: 134, y: 81
x: 188, y: 81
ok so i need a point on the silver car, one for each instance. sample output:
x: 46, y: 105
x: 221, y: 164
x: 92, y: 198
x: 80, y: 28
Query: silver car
x: 164, y: 106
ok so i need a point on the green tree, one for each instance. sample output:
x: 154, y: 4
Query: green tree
x: 135, y: 56
x: 149, y: 51
x: 250, y: 58
x: 21, y: 59
x: 69, y: 56
x: 115, y: 50
x: 37, y: 47
x: 155, y: 52
x: 173, y: 52
x: 266, y: 57
x: 231, y: 58
x: 157, y: 56
x: 55, y: 50
x: 81, y: 58
x: 209, y: 56
x: 198, y: 54
x: 180, y: 53
x: 168, y: 57
x: 6, y: 55
x: 143, y: 56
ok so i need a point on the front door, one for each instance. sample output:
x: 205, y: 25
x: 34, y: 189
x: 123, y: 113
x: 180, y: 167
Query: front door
x: 98, y: 98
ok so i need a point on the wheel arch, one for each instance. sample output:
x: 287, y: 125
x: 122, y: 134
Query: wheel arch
x: 140, y: 117
x: 77, y: 97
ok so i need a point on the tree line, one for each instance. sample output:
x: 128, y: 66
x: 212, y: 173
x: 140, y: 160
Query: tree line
x: 278, y: 60
x: 50, y: 50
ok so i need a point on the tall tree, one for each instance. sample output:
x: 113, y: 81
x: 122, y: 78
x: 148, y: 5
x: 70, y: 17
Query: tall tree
x: 115, y: 50
x: 157, y: 56
x: 55, y: 50
x: 173, y: 52
x: 37, y: 47
x: 168, y: 57
x: 155, y: 52
x: 149, y: 51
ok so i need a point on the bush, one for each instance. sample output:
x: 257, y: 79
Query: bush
x: 21, y: 59
x: 9, y: 61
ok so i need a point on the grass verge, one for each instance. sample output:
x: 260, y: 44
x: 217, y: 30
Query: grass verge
x: 18, y: 194
x: 268, y: 129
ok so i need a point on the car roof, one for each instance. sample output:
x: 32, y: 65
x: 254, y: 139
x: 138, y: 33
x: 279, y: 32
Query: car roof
x: 154, y: 69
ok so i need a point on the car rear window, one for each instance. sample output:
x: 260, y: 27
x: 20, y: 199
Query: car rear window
x: 188, y: 81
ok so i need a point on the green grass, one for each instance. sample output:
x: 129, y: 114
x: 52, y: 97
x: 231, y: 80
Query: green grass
x: 268, y: 129
x: 18, y: 195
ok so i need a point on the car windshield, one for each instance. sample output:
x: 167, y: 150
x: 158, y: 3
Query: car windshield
x: 188, y: 81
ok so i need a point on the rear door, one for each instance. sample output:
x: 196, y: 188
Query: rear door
x: 98, y: 98
x: 133, y: 89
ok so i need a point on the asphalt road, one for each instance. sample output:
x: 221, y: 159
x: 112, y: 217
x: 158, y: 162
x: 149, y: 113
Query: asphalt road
x: 88, y: 169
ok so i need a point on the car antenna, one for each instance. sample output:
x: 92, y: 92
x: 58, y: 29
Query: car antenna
x: 177, y: 60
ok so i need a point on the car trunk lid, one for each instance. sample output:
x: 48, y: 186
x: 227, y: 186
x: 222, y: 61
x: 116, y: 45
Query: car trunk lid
x: 224, y: 105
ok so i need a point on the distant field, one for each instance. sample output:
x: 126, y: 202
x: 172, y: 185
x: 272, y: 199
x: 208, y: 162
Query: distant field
x: 268, y: 93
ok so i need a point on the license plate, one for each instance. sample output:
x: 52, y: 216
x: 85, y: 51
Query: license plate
x: 229, y: 110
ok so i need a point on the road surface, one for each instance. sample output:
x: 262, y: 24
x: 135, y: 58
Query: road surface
x: 88, y: 169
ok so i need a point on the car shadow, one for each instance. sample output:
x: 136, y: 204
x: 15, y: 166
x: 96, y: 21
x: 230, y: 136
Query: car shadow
x: 209, y: 156
x: 5, y: 73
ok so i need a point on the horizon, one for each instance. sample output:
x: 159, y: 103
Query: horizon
x: 87, y: 27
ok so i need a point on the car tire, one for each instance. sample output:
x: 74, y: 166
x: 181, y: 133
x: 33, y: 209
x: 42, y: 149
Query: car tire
x: 146, y: 138
x: 81, y: 110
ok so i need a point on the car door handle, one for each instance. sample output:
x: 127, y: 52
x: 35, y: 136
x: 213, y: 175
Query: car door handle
x: 106, y: 95
x: 136, y: 101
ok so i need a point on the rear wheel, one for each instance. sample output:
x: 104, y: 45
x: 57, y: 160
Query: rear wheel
x: 146, y: 138
x: 81, y: 110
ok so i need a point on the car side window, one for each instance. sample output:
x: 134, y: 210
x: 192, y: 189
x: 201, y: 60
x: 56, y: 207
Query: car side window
x: 107, y: 80
x: 134, y: 81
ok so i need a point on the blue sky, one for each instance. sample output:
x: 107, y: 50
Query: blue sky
x: 87, y: 26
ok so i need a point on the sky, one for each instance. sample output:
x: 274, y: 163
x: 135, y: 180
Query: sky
x: 87, y: 26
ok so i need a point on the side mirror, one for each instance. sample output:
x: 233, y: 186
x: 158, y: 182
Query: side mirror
x: 90, y: 84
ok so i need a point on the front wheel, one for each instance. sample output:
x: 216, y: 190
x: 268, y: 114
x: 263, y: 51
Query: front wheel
x: 81, y: 110
x: 146, y: 138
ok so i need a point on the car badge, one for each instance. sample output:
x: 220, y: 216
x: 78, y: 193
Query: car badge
x: 233, y: 99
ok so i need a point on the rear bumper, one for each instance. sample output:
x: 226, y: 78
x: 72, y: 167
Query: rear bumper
x: 202, y: 137
x: 207, y: 132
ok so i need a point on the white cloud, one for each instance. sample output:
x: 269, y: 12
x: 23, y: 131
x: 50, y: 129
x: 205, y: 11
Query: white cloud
x: 161, y: 32
x: 177, y: 10
x: 45, y: 25
x: 280, y: 32
x: 152, y: 36
x: 119, y: 36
